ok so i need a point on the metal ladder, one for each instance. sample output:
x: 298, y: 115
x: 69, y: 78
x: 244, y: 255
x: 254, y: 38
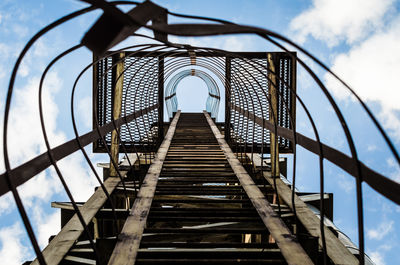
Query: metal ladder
x: 200, y: 213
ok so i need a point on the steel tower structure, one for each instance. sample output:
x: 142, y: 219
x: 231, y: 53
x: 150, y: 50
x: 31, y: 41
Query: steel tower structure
x: 193, y: 190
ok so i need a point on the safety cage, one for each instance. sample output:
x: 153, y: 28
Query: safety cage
x: 145, y: 74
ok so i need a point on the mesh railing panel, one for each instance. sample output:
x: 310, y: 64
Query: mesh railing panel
x: 140, y: 90
x: 250, y: 92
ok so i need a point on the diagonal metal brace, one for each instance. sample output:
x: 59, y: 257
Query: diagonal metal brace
x: 109, y: 30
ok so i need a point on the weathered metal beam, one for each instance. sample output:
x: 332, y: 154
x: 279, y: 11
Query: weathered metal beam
x: 78, y: 260
x: 336, y: 251
x: 273, y: 111
x: 109, y: 30
x: 290, y: 248
x: 127, y: 246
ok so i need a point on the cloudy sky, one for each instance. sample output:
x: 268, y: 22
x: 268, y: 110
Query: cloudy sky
x: 359, y: 40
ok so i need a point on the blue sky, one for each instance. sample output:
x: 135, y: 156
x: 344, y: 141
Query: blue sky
x: 358, y: 39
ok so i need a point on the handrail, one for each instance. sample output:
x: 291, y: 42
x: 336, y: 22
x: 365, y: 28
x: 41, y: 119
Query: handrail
x: 26, y: 171
x: 383, y: 185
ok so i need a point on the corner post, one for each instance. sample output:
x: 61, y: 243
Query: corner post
x: 273, y: 110
x: 117, y: 104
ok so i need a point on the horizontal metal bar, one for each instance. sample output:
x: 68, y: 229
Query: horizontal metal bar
x: 206, y: 245
x: 385, y: 186
x: 248, y: 55
x: 26, y: 171
x: 222, y: 230
x: 170, y: 96
x: 214, y: 96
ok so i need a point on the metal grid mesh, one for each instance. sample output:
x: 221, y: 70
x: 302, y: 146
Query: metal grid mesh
x: 250, y: 89
x: 104, y: 93
x: 284, y: 71
x: 140, y: 90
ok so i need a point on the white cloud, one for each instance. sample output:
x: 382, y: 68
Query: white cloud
x: 12, y: 251
x: 378, y: 255
x: 49, y: 228
x: 377, y: 258
x: 371, y: 69
x: 229, y: 43
x: 335, y: 20
x: 24, y: 69
x: 5, y: 203
x: 386, y: 247
x: 48, y: 225
x: 234, y: 43
x: 41, y: 187
x: 79, y: 178
x: 384, y: 228
x: 24, y: 118
x: 26, y: 140
x: 391, y: 120
x: 41, y: 49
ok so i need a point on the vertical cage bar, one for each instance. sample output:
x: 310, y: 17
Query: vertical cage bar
x: 227, y: 98
x: 160, y: 99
